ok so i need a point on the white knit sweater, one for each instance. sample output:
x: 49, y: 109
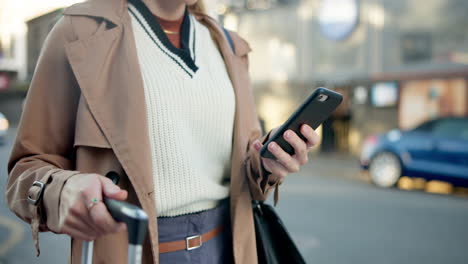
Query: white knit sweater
x: 190, y: 106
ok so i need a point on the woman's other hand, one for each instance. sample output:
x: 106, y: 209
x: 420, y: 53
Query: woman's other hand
x: 83, y: 214
x: 285, y: 163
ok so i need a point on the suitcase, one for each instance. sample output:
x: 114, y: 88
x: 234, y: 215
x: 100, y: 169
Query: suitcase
x: 137, y: 224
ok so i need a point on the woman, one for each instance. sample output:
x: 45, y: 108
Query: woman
x: 153, y: 90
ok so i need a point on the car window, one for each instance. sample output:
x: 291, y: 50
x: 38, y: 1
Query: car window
x: 454, y: 128
x: 424, y: 127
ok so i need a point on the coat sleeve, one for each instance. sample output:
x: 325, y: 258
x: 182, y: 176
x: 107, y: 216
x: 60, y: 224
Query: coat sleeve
x: 43, y: 147
x: 261, y: 182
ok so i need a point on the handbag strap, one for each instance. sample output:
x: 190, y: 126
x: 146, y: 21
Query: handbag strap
x: 229, y: 39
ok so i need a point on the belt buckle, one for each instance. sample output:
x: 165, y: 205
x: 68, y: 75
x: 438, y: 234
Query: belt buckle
x: 187, y: 240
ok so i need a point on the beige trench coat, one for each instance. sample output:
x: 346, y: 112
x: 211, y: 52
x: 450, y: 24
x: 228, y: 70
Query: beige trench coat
x: 85, y: 113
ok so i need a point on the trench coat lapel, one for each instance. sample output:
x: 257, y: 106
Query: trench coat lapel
x: 111, y: 10
x: 113, y: 89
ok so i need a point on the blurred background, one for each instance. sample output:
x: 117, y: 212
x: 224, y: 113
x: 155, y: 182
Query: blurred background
x: 388, y: 182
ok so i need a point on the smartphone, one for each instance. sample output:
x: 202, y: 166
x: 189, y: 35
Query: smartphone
x: 316, y: 109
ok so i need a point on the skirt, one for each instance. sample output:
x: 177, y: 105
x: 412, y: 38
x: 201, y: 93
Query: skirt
x: 218, y: 250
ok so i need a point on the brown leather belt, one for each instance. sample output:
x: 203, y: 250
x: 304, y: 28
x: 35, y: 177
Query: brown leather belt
x: 189, y: 243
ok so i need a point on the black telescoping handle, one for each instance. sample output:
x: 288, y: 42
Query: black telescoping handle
x: 135, y: 218
x: 113, y: 176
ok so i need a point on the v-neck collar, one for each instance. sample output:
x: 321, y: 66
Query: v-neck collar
x: 186, y: 54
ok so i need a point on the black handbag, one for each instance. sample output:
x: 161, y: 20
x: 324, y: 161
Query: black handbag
x: 274, y: 244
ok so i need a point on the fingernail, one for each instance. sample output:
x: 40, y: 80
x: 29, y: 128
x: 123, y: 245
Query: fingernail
x: 257, y: 145
x: 272, y: 146
x: 288, y: 134
x: 113, y: 189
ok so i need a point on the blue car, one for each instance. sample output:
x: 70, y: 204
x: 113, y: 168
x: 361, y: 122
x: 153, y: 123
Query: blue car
x: 435, y: 150
x: 3, y: 128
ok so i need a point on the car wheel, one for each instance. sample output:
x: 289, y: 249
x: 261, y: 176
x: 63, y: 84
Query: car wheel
x: 385, y: 169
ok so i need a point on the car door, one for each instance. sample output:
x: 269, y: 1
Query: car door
x: 451, y: 147
x: 418, y: 150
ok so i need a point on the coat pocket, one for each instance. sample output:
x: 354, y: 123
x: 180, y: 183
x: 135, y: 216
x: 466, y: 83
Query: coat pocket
x: 87, y: 130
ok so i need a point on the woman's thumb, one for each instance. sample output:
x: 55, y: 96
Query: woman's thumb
x: 111, y: 190
x: 257, y: 145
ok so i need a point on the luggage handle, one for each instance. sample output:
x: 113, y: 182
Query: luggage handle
x: 137, y: 224
x: 135, y: 218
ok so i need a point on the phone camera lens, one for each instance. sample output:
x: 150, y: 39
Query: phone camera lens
x: 322, y: 98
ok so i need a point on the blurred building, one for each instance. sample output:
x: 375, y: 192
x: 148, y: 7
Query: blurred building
x: 398, y: 62
x: 14, y: 55
x: 38, y: 29
x: 12, y: 51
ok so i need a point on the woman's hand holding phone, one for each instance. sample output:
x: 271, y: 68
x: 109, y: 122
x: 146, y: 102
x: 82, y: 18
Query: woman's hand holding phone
x: 289, y: 144
x: 285, y: 163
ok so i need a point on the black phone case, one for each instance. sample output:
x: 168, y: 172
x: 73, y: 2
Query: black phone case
x: 312, y: 112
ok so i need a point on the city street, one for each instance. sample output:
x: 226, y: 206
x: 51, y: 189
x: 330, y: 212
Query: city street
x: 334, y: 215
